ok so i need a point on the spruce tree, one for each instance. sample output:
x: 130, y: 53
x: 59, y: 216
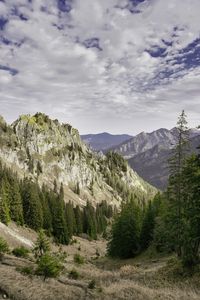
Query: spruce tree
x: 125, y: 232
x: 16, y: 207
x: 148, y: 225
x: 176, y: 185
x: 79, y: 220
x: 4, y: 205
x: 32, y: 207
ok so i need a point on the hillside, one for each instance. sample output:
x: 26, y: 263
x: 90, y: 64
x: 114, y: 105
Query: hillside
x: 104, y: 141
x: 148, y: 153
x: 141, y: 278
x: 49, y: 152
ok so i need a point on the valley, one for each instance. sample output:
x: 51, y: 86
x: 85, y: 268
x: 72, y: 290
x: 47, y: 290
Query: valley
x: 141, y: 278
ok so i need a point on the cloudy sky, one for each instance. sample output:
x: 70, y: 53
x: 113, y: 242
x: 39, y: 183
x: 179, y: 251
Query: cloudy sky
x: 122, y: 66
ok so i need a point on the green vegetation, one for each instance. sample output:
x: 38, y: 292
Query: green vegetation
x: 49, y: 266
x: 3, y: 248
x: 40, y: 208
x: 92, y: 284
x: 21, y: 252
x: 170, y: 222
x: 78, y: 259
x: 42, y: 245
x: 74, y: 274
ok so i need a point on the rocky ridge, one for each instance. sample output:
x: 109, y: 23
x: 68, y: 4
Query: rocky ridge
x: 50, y: 152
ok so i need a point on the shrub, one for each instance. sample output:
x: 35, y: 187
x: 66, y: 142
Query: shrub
x: 74, y: 274
x: 42, y: 245
x: 3, y: 247
x: 49, y: 266
x: 78, y: 259
x: 21, y: 252
x: 29, y: 270
x: 92, y: 284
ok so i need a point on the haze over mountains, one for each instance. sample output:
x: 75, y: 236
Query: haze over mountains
x: 104, y: 140
x: 148, y: 153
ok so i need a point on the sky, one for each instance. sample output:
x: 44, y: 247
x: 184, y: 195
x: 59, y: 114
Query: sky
x: 121, y: 66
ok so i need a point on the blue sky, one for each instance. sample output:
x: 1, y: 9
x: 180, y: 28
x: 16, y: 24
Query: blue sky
x: 122, y: 66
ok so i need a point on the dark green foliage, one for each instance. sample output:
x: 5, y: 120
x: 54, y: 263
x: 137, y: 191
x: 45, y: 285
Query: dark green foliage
x: 149, y: 221
x: 92, y: 284
x: 79, y: 220
x: 74, y: 274
x: 32, y: 207
x: 21, y: 252
x: 4, y: 204
x: 78, y: 259
x: 16, y: 207
x: 49, y: 266
x: 29, y: 270
x: 42, y: 245
x: 4, y: 248
x: 89, y: 221
x: 125, y: 234
x: 116, y: 161
x: 70, y: 219
x: 40, y: 208
x: 147, y: 228
x: 60, y: 230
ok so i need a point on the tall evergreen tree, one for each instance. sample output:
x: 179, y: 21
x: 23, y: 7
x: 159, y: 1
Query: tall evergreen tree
x: 176, y: 184
x: 4, y: 205
x: 125, y: 233
x: 16, y: 206
x: 32, y: 207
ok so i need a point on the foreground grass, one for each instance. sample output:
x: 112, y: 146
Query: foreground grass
x: 147, y: 277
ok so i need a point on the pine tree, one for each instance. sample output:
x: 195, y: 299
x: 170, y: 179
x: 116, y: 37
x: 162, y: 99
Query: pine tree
x: 148, y: 225
x: 89, y: 221
x: 125, y: 233
x: 70, y: 219
x: 176, y: 185
x: 79, y: 220
x: 60, y: 230
x: 32, y: 207
x: 42, y: 245
x: 191, y: 211
x: 4, y: 205
x: 16, y: 207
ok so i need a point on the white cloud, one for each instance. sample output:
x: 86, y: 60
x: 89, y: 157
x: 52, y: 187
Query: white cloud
x: 122, y: 87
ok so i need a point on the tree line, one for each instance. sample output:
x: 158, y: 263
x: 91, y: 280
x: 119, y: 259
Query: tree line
x: 171, y: 221
x: 26, y: 203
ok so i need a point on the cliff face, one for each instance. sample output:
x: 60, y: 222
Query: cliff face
x: 48, y: 151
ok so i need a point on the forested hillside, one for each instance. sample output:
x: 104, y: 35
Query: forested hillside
x: 169, y: 223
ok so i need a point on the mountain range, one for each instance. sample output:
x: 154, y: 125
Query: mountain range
x: 103, y: 141
x: 50, y: 152
x: 148, y: 153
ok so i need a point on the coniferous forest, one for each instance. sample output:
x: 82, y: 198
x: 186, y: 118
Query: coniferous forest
x: 24, y: 202
x: 171, y: 221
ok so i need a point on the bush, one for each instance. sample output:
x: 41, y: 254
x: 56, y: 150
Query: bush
x: 4, y: 248
x: 78, y: 259
x: 21, y: 252
x: 92, y: 284
x: 42, y: 245
x: 74, y: 274
x: 29, y: 270
x: 49, y: 266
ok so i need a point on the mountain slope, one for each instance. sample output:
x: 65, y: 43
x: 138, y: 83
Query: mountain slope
x: 148, y: 153
x: 103, y: 141
x: 145, y: 141
x: 152, y: 165
x: 49, y: 152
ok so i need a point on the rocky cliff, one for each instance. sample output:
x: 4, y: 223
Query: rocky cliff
x: 53, y: 153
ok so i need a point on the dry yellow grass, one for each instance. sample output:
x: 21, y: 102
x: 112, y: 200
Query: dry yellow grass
x: 132, y: 279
